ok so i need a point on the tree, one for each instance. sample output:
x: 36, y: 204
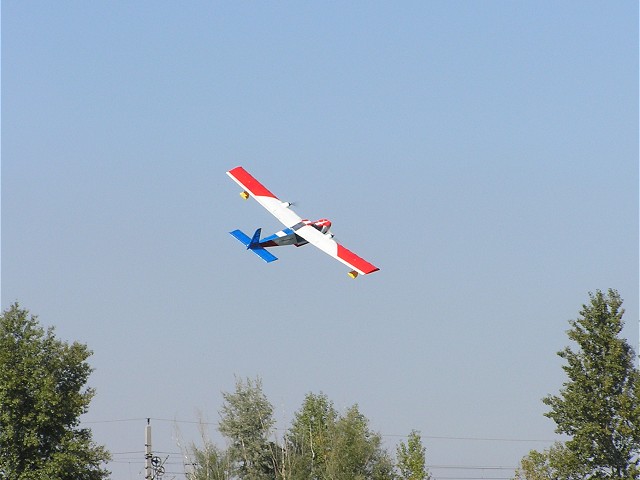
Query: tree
x: 320, y: 444
x: 411, y: 458
x: 41, y: 400
x: 246, y: 420
x: 323, y: 445
x: 555, y: 463
x: 356, y: 452
x: 535, y: 466
x: 210, y: 463
x: 599, y: 405
x: 309, y: 438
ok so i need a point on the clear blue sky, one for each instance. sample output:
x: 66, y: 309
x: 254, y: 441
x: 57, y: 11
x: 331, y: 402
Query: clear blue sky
x: 483, y: 154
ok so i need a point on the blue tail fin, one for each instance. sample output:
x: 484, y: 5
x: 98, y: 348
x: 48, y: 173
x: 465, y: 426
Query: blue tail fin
x: 255, y: 240
x: 253, y: 244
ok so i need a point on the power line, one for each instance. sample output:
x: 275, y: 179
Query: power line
x: 479, y: 439
x: 115, y: 420
x: 473, y: 478
x: 391, y: 435
x: 469, y: 467
x: 467, y: 472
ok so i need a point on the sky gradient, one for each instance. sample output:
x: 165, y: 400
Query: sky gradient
x: 484, y: 155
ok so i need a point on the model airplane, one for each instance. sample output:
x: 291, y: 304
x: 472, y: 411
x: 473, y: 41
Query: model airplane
x: 298, y: 232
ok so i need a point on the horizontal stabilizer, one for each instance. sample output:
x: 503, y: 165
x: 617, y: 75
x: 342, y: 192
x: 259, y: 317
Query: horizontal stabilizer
x: 244, y: 239
x: 263, y: 254
x: 254, y: 247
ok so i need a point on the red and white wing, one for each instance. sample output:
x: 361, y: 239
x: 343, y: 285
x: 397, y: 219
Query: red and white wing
x: 329, y: 246
x: 282, y: 212
x: 264, y: 197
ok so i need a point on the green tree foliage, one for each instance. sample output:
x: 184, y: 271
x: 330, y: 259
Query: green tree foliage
x: 356, y: 452
x: 599, y: 405
x: 246, y: 421
x: 320, y: 444
x: 411, y: 460
x: 210, y: 463
x: 555, y: 463
x: 309, y: 439
x: 535, y: 466
x: 323, y: 445
x: 41, y: 400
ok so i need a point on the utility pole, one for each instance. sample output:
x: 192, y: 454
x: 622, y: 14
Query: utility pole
x: 148, y: 456
x: 153, y: 466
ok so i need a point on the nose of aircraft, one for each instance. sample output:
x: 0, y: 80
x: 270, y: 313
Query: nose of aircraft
x: 323, y: 225
x: 323, y: 222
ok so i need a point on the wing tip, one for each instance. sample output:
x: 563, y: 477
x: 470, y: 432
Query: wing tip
x: 248, y: 182
x: 358, y: 263
x: 373, y: 270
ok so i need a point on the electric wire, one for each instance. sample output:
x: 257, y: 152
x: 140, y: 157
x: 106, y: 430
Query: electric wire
x: 474, y: 472
x: 390, y: 435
